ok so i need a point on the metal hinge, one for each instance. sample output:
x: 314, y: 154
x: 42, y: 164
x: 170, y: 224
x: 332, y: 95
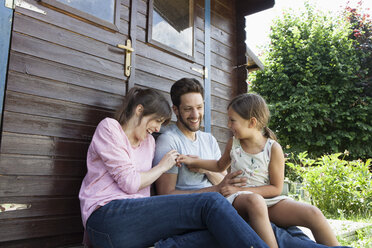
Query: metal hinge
x: 203, y: 71
x: 5, y: 207
x: 11, y: 4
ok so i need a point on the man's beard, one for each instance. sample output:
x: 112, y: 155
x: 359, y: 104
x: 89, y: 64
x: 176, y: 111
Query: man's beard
x: 187, y: 125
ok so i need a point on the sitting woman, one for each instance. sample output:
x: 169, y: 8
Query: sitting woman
x: 116, y: 206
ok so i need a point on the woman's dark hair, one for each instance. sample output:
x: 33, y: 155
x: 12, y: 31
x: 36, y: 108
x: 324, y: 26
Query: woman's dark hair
x: 184, y: 86
x: 253, y: 105
x: 152, y: 101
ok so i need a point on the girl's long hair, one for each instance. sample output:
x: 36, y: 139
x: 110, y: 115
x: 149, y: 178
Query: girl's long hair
x: 152, y: 101
x: 252, y: 105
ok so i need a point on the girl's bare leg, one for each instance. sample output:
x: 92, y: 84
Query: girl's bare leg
x: 252, y: 208
x: 292, y: 213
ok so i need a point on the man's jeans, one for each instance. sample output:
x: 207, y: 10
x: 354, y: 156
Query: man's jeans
x: 291, y: 237
x: 194, y: 220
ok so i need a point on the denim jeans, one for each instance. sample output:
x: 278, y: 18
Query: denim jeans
x: 291, y: 237
x: 191, y: 220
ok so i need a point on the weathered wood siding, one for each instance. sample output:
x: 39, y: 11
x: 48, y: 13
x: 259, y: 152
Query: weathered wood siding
x: 65, y: 75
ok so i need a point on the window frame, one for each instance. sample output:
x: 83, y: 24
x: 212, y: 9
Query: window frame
x: 86, y: 16
x: 165, y: 47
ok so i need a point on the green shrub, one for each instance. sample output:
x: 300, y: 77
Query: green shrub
x: 313, y: 82
x: 336, y: 186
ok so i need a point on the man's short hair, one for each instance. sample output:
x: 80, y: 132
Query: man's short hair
x: 184, y: 86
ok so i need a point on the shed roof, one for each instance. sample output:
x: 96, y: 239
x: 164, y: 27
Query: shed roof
x: 248, y: 7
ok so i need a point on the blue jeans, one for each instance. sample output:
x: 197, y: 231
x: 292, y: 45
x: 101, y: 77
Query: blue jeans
x: 291, y: 237
x: 192, y: 220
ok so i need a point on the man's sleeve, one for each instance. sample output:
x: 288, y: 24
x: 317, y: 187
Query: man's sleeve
x: 164, y: 143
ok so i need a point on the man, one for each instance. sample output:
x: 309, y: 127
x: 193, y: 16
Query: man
x: 185, y: 137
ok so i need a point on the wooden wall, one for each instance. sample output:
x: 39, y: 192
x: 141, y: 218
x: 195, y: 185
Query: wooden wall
x: 65, y: 75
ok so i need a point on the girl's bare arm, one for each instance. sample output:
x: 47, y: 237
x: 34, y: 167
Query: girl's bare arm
x: 212, y: 165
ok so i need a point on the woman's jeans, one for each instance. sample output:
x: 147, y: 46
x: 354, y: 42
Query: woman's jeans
x: 190, y: 220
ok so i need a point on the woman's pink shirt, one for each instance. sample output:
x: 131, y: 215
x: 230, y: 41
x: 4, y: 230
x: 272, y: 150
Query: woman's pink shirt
x: 113, y: 168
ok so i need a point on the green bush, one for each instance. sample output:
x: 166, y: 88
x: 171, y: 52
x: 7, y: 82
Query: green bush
x: 336, y: 186
x: 312, y: 77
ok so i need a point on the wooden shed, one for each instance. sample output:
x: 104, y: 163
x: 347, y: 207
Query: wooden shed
x: 62, y: 72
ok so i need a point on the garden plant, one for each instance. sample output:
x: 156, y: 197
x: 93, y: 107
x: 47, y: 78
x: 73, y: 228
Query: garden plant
x: 316, y: 80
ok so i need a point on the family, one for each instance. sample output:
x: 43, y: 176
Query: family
x: 198, y: 204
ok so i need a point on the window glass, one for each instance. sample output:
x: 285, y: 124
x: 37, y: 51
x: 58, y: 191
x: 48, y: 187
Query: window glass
x: 102, y: 9
x: 172, y: 24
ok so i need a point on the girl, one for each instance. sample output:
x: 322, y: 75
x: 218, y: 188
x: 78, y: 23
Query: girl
x: 253, y: 149
x: 116, y: 206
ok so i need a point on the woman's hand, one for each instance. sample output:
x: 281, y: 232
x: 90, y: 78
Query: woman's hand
x: 169, y: 160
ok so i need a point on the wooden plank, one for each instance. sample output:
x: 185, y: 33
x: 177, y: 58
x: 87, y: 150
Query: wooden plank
x: 75, y: 25
x: 41, y: 106
x: 142, y: 19
x: 12, y: 143
x: 147, y: 79
x: 41, y: 206
x: 133, y: 37
x: 47, y: 69
x: 142, y: 7
x: 221, y: 134
x: 222, y: 63
x: 46, y: 242
x: 160, y: 70
x: 221, y: 22
x: 222, y: 36
x: 38, y: 186
x: 53, y: 52
x: 219, y: 119
x: 37, y: 125
x: 41, y: 227
x: 167, y: 59
x: 34, y: 28
x: 41, y: 165
x: 124, y: 13
x: 219, y: 104
x: 62, y: 91
x: 221, y: 77
x: 224, y: 50
x: 221, y: 90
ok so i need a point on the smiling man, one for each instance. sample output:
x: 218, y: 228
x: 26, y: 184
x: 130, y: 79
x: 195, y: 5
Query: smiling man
x: 186, y: 138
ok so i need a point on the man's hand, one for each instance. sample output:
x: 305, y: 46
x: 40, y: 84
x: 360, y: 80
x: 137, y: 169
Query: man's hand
x: 231, y: 182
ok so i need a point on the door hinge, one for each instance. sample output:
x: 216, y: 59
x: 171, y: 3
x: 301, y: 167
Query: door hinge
x: 203, y: 71
x: 11, y: 4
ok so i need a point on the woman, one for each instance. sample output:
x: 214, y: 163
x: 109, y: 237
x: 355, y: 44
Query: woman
x: 116, y: 206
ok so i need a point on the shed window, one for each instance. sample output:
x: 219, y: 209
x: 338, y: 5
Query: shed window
x: 171, y: 25
x: 101, y: 9
x: 104, y: 13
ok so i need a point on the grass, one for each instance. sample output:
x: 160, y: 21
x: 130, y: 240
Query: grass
x: 362, y: 239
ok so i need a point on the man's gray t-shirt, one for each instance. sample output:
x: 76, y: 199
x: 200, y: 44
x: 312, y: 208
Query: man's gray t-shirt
x: 205, y: 146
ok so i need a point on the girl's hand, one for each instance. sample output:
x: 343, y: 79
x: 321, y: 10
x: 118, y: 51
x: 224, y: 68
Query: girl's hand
x: 228, y: 190
x: 169, y: 159
x: 197, y: 170
x: 187, y: 159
